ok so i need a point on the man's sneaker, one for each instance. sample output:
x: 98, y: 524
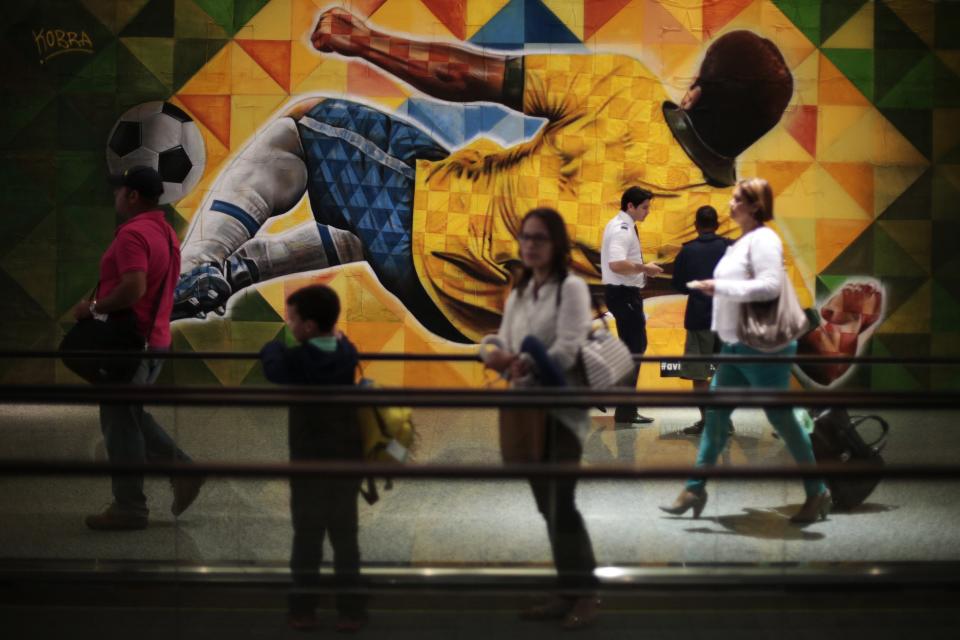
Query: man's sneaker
x: 113, y: 518
x: 185, y: 491
x: 201, y: 290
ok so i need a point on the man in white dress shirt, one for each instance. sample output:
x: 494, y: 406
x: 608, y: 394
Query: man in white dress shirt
x: 624, y: 274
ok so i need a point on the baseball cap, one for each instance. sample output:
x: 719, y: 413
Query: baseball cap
x: 143, y: 179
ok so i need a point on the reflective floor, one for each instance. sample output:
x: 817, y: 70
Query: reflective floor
x: 246, y: 523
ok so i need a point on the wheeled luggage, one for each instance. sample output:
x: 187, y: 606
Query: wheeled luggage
x: 836, y: 440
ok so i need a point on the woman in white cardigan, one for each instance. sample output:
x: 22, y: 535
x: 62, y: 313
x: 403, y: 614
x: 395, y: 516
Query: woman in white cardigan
x: 548, y: 315
x: 750, y: 271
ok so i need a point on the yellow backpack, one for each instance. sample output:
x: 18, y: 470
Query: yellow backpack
x: 388, y: 435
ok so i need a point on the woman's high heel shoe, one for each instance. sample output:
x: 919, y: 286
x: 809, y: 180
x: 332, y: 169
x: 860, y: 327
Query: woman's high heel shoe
x: 555, y: 608
x: 687, y: 500
x: 815, y: 508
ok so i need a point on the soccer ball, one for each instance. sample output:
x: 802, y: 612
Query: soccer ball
x: 162, y: 136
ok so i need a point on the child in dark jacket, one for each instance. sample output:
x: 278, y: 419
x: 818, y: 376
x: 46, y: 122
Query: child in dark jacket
x: 320, y: 506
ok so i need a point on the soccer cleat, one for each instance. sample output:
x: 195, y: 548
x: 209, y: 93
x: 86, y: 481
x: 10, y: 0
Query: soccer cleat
x: 201, y: 290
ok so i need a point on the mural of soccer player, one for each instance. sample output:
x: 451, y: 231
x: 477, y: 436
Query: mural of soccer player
x: 438, y: 226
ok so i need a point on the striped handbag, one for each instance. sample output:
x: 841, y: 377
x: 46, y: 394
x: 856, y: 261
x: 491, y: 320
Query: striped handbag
x: 607, y: 360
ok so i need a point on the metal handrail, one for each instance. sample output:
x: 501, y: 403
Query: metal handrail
x: 362, y: 469
x: 467, y: 357
x: 260, y: 395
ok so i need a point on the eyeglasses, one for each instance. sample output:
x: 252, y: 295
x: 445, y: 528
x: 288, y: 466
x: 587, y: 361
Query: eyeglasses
x: 534, y: 238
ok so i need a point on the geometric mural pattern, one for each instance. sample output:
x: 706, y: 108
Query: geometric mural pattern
x: 865, y: 162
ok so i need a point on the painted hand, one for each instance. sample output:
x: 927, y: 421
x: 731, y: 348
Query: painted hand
x: 849, y: 318
x: 339, y: 31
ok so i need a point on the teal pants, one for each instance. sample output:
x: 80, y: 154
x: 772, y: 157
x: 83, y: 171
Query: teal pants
x: 716, y: 427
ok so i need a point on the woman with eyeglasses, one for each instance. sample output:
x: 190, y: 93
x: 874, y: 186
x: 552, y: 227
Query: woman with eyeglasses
x: 750, y: 271
x: 545, y: 322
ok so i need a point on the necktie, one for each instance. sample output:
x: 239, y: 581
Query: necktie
x: 636, y: 230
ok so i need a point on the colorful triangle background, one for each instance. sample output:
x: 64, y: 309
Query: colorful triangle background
x: 866, y: 160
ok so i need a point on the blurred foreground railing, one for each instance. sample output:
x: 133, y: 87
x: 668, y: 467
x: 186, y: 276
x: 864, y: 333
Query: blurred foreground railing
x: 263, y: 395
x: 467, y: 357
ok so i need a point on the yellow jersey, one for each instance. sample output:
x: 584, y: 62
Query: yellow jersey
x: 604, y: 132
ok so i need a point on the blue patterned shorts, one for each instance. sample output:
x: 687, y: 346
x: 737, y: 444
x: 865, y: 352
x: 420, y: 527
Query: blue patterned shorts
x: 361, y: 176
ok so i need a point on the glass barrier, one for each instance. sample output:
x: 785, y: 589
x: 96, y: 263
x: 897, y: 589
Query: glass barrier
x: 472, y: 527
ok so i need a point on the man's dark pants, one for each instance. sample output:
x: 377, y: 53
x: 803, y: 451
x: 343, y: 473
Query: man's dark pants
x: 320, y: 507
x: 626, y: 305
x: 131, y: 435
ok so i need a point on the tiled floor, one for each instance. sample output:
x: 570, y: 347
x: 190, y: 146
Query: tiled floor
x: 474, y: 523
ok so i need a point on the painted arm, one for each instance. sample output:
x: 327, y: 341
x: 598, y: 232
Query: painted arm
x: 439, y: 69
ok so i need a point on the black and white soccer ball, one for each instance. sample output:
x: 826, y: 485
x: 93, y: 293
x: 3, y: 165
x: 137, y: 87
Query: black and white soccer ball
x: 159, y: 135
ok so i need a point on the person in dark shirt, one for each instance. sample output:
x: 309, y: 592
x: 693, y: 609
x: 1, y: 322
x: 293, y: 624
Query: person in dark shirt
x: 696, y: 261
x: 320, y: 506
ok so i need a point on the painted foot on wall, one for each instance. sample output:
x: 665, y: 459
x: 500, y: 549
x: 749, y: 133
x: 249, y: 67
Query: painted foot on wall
x: 201, y: 290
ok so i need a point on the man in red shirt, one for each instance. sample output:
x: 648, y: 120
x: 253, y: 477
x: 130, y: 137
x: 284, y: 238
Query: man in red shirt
x: 137, y: 274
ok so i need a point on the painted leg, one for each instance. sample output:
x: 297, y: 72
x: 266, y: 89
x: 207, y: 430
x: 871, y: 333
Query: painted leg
x: 267, y: 178
x: 303, y: 248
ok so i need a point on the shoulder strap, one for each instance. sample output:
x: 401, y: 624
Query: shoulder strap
x: 163, y: 290
x: 560, y: 287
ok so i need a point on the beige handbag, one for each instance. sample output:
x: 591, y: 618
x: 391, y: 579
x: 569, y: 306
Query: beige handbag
x: 771, y: 325
x: 606, y: 359
x: 522, y: 434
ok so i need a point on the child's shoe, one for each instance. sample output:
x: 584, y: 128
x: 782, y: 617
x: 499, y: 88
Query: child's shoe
x: 350, y: 624
x: 304, y: 621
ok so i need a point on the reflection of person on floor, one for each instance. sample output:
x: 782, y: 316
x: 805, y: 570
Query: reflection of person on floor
x: 438, y: 227
x: 320, y: 506
x: 137, y: 273
x: 696, y: 261
x: 551, y: 306
x: 848, y: 319
x: 750, y: 271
